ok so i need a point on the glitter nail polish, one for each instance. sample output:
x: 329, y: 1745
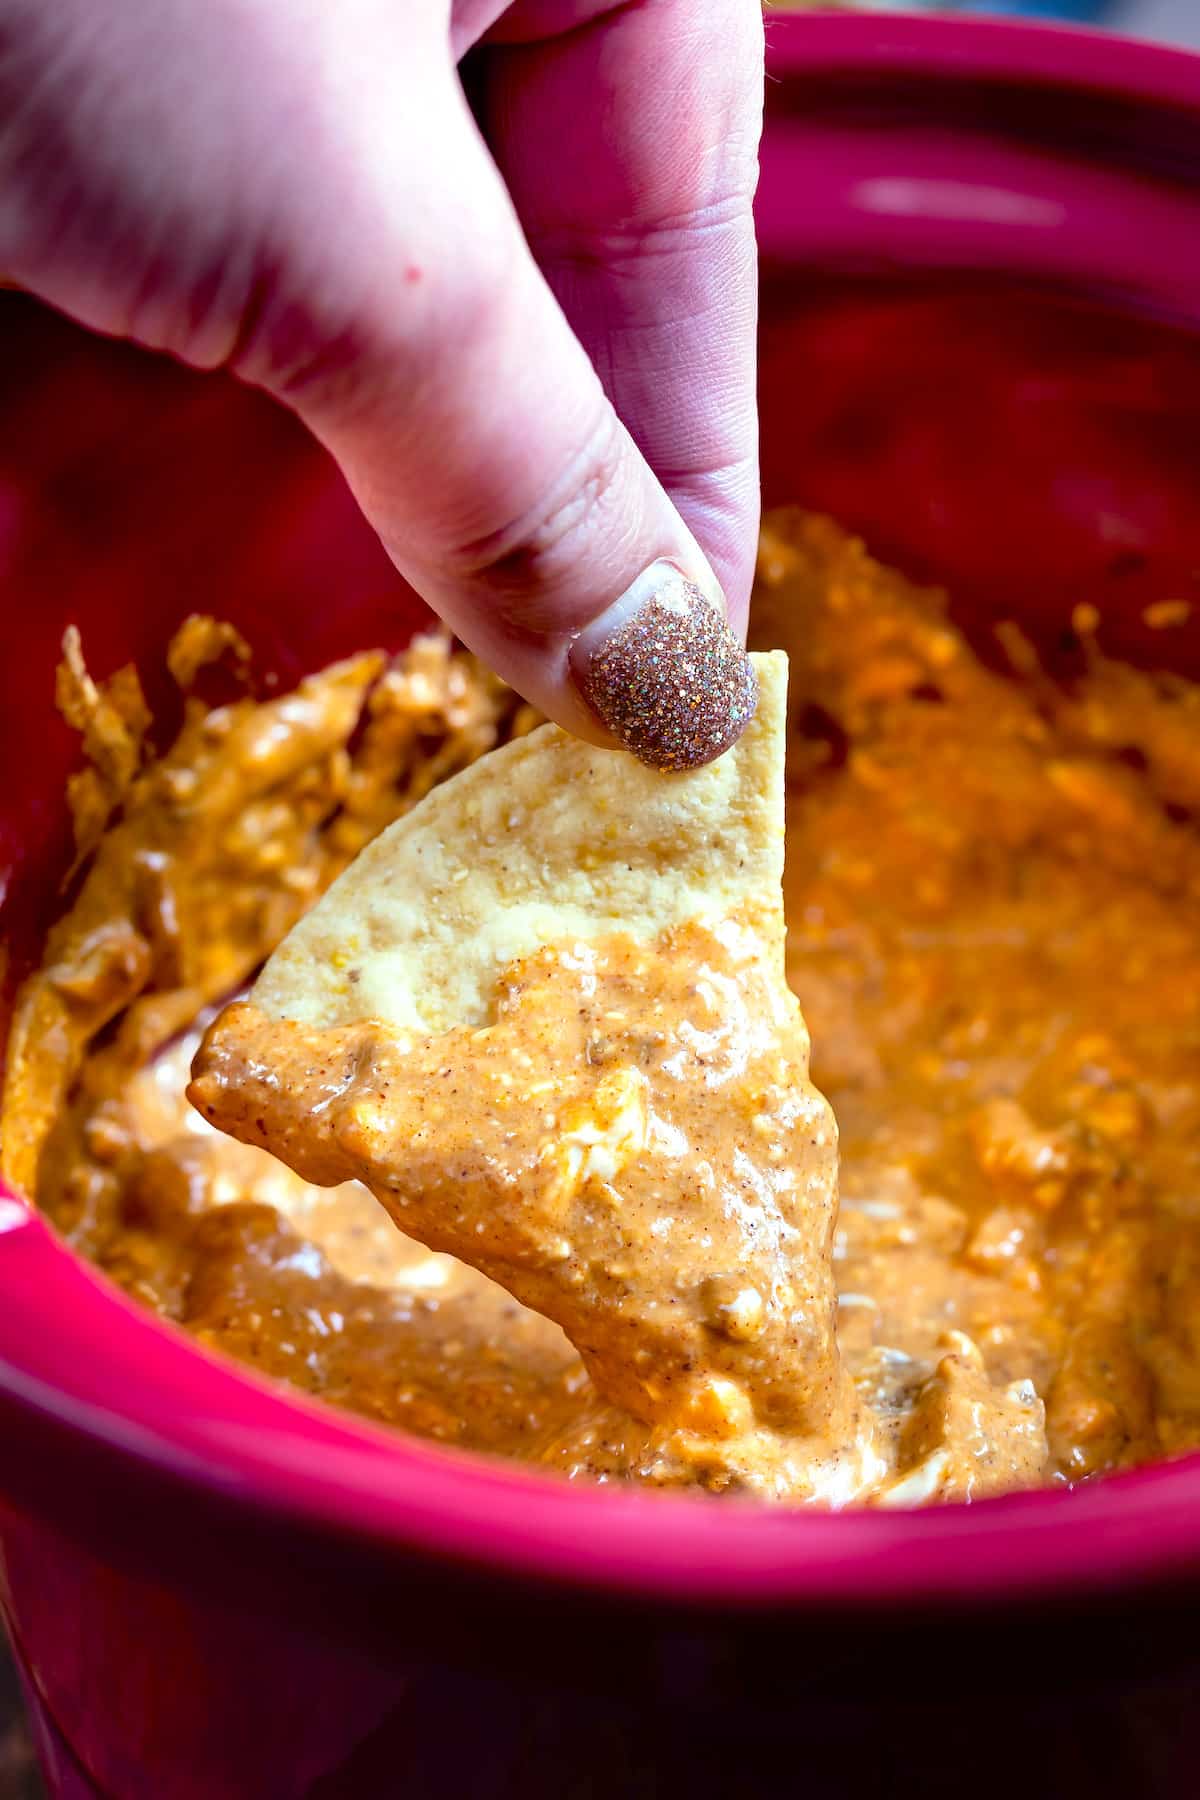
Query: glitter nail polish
x: 664, y: 674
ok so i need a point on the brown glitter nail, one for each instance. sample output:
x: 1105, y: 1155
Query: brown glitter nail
x: 664, y: 674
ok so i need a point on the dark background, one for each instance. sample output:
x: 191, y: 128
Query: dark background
x: 18, y: 1772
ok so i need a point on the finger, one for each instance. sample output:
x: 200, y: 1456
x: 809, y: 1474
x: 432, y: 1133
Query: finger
x: 482, y: 445
x: 638, y: 207
x: 322, y: 216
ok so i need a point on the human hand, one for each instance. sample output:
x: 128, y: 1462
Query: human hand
x: 530, y: 348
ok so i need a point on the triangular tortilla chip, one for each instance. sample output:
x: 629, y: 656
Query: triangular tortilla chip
x: 544, y: 1018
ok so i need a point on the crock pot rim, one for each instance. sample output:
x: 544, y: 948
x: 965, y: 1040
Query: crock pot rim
x: 199, y: 1417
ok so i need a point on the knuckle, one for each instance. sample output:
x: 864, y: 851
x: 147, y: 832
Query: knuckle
x: 705, y: 225
x: 528, y: 561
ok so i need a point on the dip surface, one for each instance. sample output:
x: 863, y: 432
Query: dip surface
x: 993, y: 897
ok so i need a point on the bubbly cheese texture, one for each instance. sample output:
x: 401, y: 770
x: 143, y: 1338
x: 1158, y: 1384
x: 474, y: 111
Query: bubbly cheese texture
x: 992, y: 934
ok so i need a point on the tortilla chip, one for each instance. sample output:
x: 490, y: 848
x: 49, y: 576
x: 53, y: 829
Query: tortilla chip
x: 544, y: 1019
x: 545, y: 840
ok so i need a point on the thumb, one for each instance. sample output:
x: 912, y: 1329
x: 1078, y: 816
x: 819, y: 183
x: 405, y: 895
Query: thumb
x: 479, y: 441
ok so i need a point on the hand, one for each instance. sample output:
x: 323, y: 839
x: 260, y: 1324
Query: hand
x: 530, y: 347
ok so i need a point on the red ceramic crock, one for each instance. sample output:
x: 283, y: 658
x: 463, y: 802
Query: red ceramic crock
x: 981, y: 346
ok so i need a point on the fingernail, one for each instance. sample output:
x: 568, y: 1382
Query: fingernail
x: 664, y: 674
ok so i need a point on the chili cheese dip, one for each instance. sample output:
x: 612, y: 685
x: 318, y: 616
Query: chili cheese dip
x: 991, y: 889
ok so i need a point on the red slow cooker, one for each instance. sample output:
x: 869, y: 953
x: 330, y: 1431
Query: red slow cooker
x: 981, y: 347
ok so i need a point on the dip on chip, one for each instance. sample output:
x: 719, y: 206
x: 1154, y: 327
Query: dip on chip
x: 544, y: 1018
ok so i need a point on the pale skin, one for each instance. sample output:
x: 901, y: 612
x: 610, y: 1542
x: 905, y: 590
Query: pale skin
x: 528, y: 340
